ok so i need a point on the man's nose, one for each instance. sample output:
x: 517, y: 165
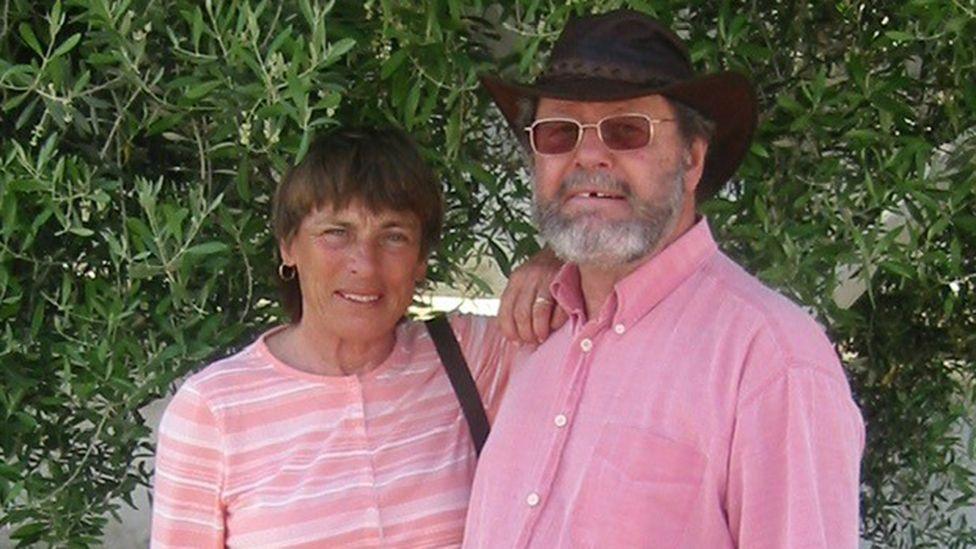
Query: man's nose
x: 592, y: 152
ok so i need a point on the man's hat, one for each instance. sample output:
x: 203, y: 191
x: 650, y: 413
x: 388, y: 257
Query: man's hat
x: 625, y: 54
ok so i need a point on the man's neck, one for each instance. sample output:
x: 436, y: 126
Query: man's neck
x: 597, y: 280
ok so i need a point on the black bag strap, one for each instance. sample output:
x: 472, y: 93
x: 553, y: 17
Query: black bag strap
x: 464, y: 386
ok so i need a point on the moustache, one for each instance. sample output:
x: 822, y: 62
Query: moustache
x: 594, y: 181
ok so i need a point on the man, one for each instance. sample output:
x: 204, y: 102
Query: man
x: 684, y: 404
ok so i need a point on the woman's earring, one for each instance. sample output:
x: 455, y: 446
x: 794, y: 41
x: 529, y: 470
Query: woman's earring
x: 286, y: 272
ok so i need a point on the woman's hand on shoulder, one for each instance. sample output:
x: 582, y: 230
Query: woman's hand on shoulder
x: 527, y: 312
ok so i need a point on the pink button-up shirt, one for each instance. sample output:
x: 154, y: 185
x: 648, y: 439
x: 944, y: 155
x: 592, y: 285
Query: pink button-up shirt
x: 698, y: 409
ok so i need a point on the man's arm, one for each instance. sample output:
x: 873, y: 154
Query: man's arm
x: 795, y: 461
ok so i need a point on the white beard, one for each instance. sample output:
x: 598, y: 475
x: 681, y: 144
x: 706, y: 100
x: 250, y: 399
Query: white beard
x: 587, y: 239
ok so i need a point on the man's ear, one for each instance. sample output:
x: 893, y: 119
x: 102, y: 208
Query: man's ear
x: 695, y: 164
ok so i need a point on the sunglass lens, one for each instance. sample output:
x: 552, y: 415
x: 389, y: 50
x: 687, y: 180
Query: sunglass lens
x: 627, y: 132
x: 555, y: 136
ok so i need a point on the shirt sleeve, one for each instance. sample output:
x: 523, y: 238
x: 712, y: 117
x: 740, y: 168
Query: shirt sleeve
x: 489, y: 356
x: 188, y: 510
x: 794, y: 464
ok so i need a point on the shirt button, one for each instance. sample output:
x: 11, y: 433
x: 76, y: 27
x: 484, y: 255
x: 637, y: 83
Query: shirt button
x: 586, y: 345
x: 533, y: 499
x: 560, y: 420
x: 619, y: 329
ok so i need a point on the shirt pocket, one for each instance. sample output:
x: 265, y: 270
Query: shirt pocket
x: 639, y: 490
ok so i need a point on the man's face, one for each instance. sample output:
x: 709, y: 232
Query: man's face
x: 596, y: 205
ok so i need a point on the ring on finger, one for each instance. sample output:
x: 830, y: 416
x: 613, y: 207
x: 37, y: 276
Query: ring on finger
x: 541, y: 300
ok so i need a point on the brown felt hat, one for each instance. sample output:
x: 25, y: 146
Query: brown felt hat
x: 625, y: 54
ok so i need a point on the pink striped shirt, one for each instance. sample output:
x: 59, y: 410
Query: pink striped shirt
x: 253, y: 453
x: 697, y: 409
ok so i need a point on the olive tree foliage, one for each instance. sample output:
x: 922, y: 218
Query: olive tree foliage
x: 141, y: 142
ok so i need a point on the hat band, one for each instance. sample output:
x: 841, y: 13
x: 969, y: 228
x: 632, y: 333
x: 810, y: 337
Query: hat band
x: 581, y: 68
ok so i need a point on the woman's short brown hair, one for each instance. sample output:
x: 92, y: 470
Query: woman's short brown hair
x: 380, y: 168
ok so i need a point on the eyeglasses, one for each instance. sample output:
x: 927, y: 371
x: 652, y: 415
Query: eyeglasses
x: 619, y: 132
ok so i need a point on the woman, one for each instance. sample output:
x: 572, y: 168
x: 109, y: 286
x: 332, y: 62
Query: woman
x: 340, y: 428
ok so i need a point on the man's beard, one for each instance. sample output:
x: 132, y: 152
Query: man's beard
x: 587, y: 239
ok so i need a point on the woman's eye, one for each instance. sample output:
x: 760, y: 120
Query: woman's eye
x: 397, y: 238
x: 335, y: 232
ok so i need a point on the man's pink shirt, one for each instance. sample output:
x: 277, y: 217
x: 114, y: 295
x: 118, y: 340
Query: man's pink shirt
x: 697, y: 409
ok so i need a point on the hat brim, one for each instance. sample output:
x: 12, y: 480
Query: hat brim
x: 726, y: 98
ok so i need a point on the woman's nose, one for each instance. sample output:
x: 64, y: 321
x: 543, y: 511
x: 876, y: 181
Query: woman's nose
x: 363, y: 258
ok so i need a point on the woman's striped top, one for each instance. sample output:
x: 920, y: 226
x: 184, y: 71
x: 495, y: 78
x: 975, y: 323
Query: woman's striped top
x: 254, y: 453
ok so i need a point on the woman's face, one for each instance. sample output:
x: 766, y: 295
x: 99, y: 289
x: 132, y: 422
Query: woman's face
x: 357, y: 269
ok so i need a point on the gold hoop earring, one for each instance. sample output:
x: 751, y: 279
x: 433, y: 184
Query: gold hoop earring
x: 286, y: 272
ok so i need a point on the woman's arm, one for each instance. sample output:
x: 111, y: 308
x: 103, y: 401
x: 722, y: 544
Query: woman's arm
x: 188, y: 510
x: 527, y: 312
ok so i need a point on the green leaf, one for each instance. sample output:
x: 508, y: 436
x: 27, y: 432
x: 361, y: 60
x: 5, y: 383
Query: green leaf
x: 452, y: 133
x: 15, y: 101
x: 67, y: 45
x: 337, y: 50
x: 303, y: 146
x: 393, y: 63
x: 27, y: 33
x: 789, y: 103
x: 900, y: 36
x: 898, y: 268
x: 196, y: 28
x: 55, y: 19
x: 207, y: 248
x: 410, y: 107
x: 17, y: 73
x: 501, y: 257
x: 29, y: 532
x: 307, y: 12
x: 202, y: 89
x: 142, y: 270
x: 9, y: 213
x: 37, y: 319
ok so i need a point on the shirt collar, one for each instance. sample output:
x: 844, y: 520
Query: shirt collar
x: 640, y: 291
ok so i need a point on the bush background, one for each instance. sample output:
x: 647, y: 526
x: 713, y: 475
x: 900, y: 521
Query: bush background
x: 141, y: 142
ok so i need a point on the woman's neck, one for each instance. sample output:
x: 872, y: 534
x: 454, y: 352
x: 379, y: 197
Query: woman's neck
x: 305, y: 347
